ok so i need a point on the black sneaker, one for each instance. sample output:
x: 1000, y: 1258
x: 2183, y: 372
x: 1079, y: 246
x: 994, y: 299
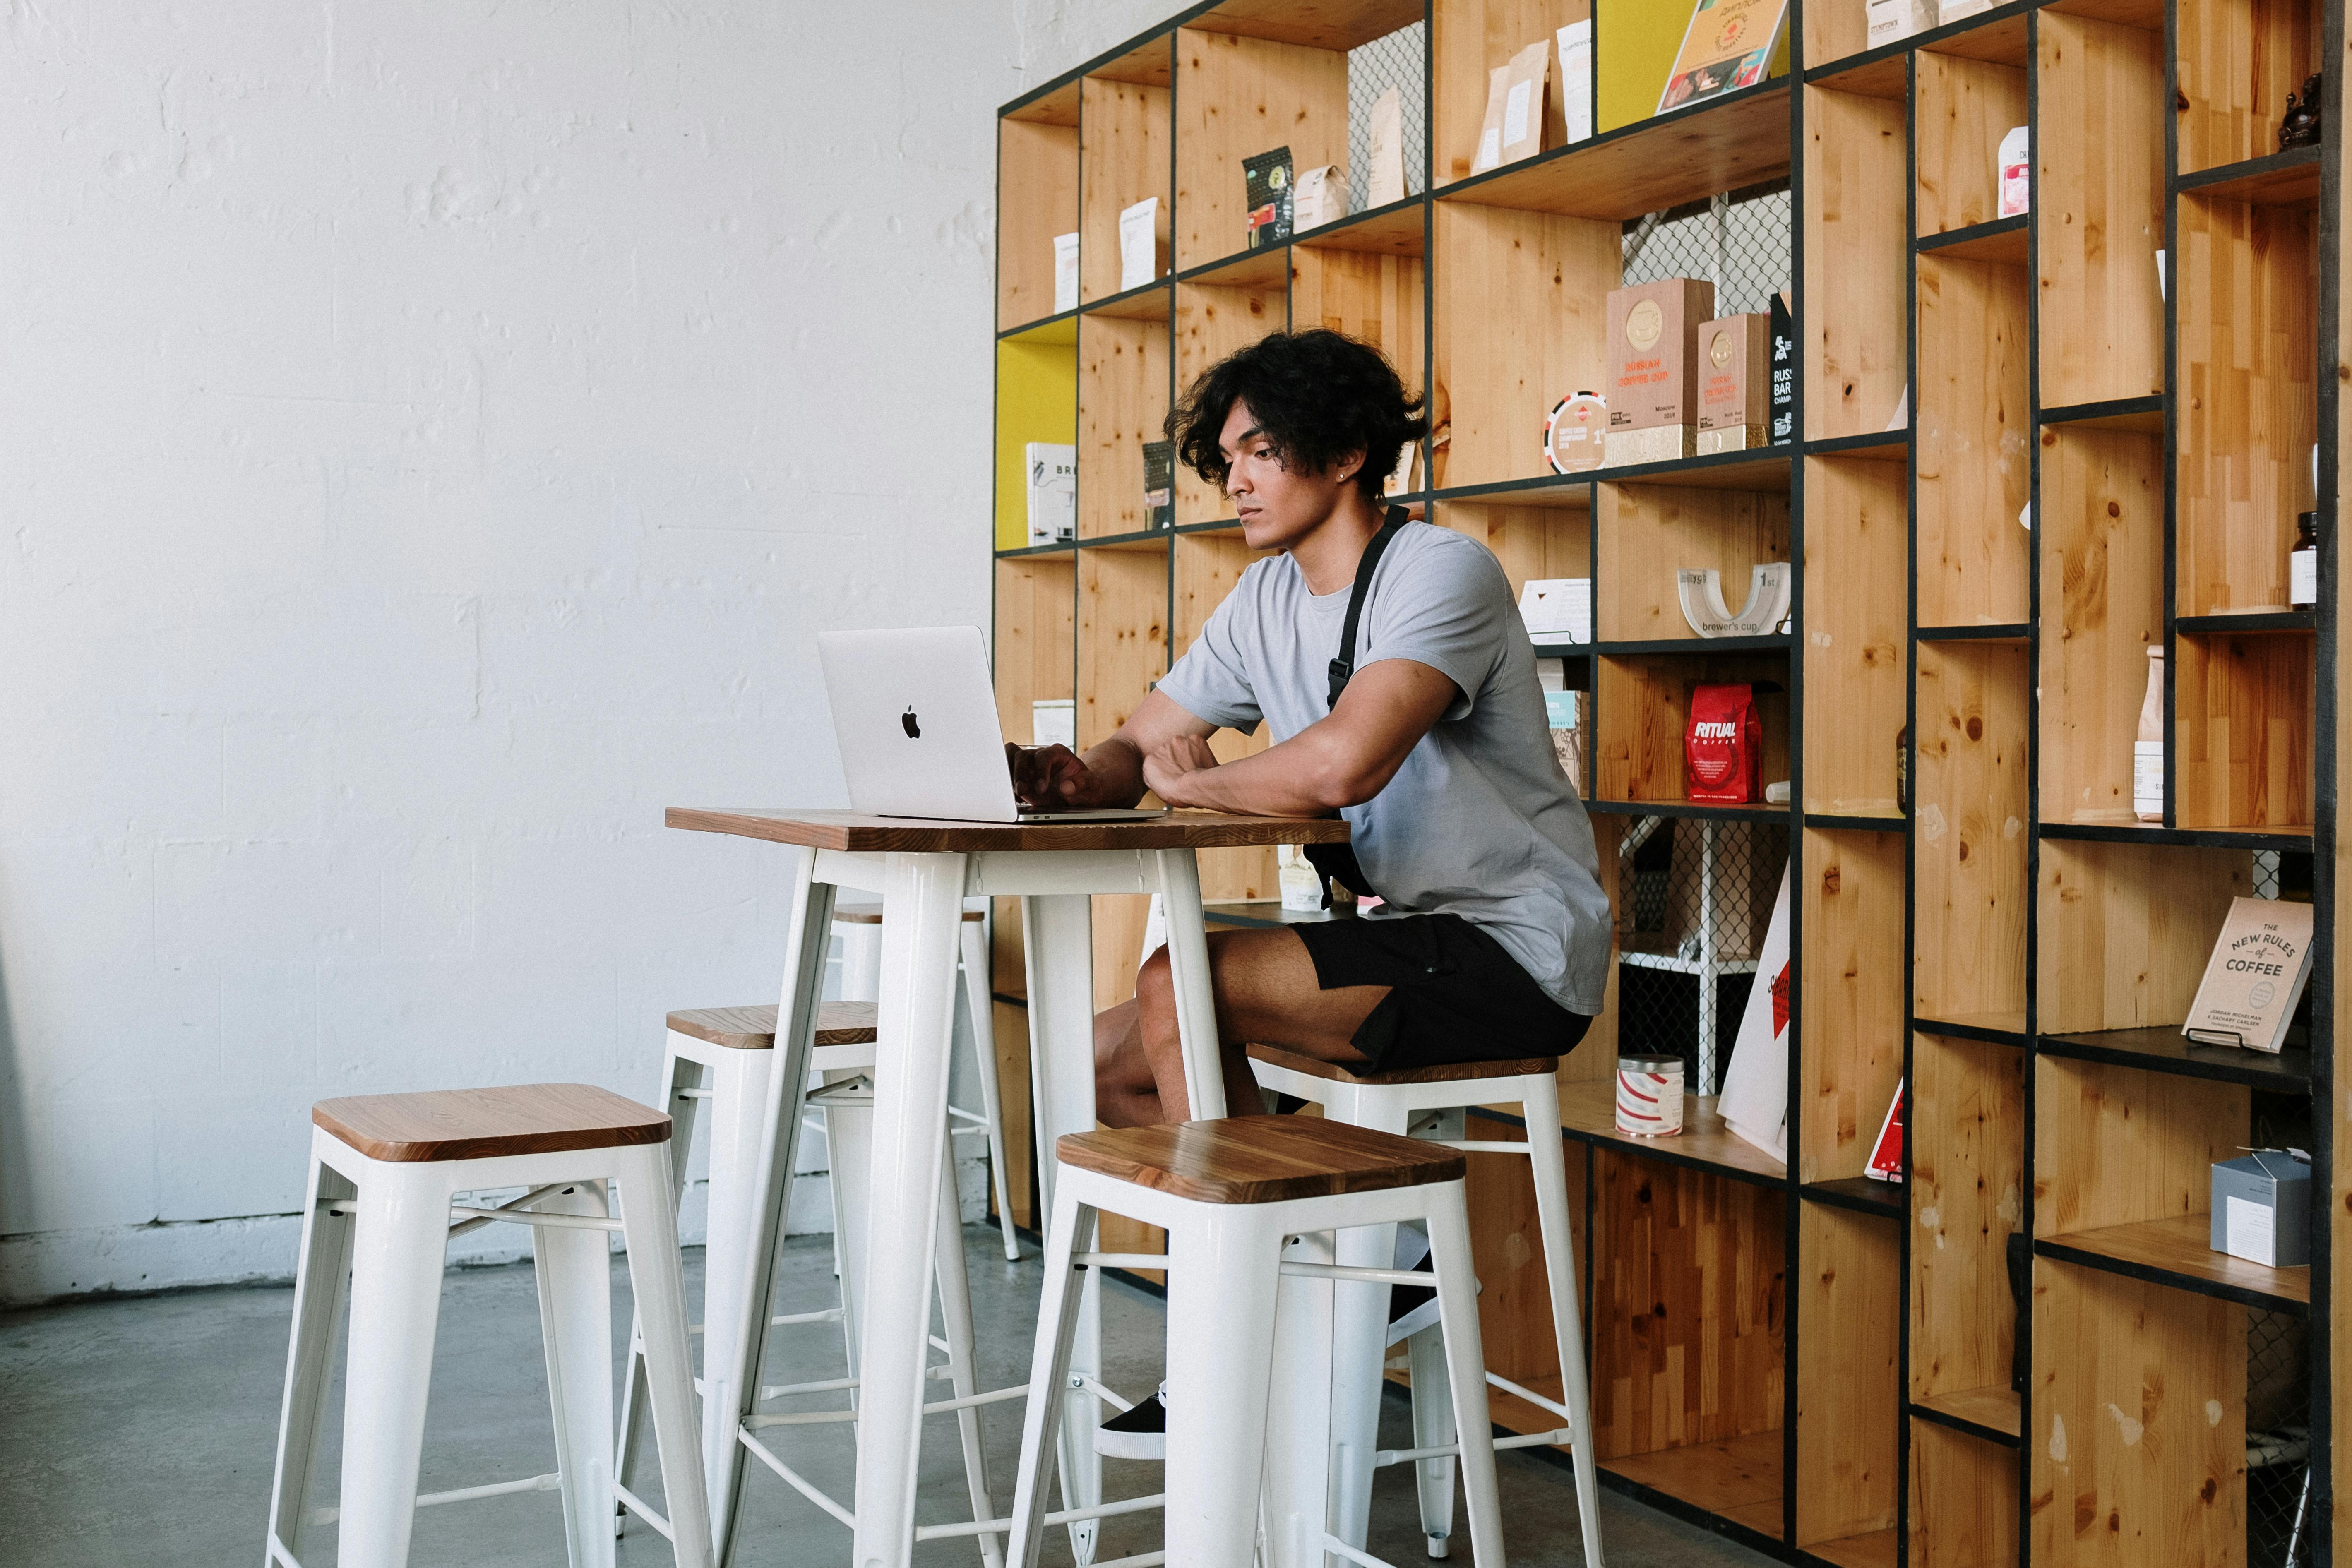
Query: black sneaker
x: 1141, y: 1433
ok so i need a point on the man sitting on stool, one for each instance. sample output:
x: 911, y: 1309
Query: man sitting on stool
x: 1429, y: 735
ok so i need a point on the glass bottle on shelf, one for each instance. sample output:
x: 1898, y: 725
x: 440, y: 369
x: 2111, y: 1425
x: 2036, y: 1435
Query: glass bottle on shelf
x: 2303, y: 563
x: 2148, y: 751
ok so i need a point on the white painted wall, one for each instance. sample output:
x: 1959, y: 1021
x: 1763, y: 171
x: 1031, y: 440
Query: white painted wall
x: 432, y: 436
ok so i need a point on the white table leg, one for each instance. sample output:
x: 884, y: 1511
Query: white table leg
x: 1058, y: 941
x: 730, y: 1361
x: 923, y: 912
x: 1196, y: 997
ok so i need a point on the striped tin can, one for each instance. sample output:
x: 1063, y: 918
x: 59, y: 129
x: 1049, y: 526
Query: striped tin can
x: 1650, y: 1096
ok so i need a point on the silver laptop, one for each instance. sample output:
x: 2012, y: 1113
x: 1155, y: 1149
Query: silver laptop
x: 915, y: 717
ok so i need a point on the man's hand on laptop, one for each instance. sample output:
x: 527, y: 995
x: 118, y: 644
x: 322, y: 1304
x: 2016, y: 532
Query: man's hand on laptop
x: 1053, y: 775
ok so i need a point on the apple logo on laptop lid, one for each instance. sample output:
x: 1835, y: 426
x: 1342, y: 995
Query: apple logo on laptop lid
x: 907, y: 722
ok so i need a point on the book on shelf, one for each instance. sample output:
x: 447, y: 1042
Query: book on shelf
x: 1887, y: 1154
x: 1728, y: 46
x: 2255, y: 977
x: 1755, y: 1102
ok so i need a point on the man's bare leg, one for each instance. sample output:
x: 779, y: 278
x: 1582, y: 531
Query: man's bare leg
x: 1266, y: 994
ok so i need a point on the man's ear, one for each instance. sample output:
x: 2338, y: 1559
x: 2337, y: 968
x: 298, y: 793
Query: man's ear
x: 1346, y: 465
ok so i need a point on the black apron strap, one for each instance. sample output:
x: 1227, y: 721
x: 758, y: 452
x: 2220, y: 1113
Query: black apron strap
x: 1337, y: 862
x: 1345, y: 665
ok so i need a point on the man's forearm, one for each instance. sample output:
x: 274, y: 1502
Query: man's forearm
x: 1293, y: 779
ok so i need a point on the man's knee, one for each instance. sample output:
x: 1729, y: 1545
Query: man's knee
x: 1155, y: 988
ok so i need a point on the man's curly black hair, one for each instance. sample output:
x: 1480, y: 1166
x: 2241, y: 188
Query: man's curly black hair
x: 1318, y: 395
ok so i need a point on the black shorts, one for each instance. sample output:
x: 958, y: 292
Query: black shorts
x: 1456, y: 995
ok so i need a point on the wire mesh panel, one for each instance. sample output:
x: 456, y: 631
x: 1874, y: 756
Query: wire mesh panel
x: 2278, y: 1440
x: 1399, y: 60
x: 1696, y: 899
x: 1740, y: 243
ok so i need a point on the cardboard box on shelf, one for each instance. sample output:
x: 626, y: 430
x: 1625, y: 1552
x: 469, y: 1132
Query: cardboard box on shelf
x: 1734, y: 382
x: 1651, y: 369
x: 2262, y: 1208
x: 1575, y: 42
x: 1891, y: 21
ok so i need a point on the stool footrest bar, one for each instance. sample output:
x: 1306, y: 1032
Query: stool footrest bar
x: 1340, y: 1549
x: 791, y: 1478
x: 551, y: 1481
x: 1067, y: 1516
x: 643, y: 1510
x: 1085, y: 1383
x: 278, y: 1552
x: 1118, y: 1260
x: 1531, y: 1395
x: 1361, y: 1276
x: 1383, y: 1457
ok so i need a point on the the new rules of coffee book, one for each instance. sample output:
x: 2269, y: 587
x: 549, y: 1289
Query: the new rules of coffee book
x: 2255, y: 977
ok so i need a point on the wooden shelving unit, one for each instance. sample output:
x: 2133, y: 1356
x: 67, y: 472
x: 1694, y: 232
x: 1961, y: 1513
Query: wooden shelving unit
x: 2026, y: 1351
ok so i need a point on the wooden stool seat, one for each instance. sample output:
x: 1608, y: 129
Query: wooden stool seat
x: 1259, y: 1159
x: 871, y: 915
x: 488, y: 1123
x: 754, y: 1028
x: 1442, y: 1072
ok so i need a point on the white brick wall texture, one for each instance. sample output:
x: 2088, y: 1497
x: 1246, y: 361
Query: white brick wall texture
x: 432, y: 438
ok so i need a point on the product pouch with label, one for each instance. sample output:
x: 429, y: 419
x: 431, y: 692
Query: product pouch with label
x: 1723, y: 749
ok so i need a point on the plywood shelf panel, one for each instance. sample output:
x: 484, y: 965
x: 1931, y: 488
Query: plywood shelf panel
x: 1469, y: 38
x: 2162, y: 1475
x: 1522, y: 313
x: 1588, y: 1111
x: 1647, y: 534
x: 2284, y: 179
x: 2118, y: 1146
x: 1997, y: 1409
x: 2144, y: 414
x: 1851, y: 1055
x: 1856, y: 350
x: 1964, y: 1499
x: 1642, y: 708
x: 1962, y: 109
x: 1858, y: 1194
x: 1966, y: 1196
x: 1123, y: 131
x: 1122, y: 638
x: 1122, y: 401
x: 1037, y: 198
x: 1740, y: 1477
x: 1531, y: 541
x: 1376, y: 298
x: 2246, y: 294
x: 2004, y: 240
x: 2166, y: 1049
x: 2178, y: 1253
x: 2098, y: 173
x: 1689, y: 1312
x: 1037, y: 603
x: 1688, y: 156
x: 1973, y: 467
x: 1857, y: 579
x: 2102, y: 543
x: 1849, y: 1378
x: 1873, y: 1549
x: 1970, y: 806
x: 1400, y: 228
x: 1339, y: 25
x: 2242, y: 727
x: 1237, y: 97
x: 2125, y: 931
x: 2238, y: 63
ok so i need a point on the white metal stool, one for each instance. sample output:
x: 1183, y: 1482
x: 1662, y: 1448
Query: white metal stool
x: 859, y: 926
x: 385, y: 1172
x: 1229, y: 1193
x: 716, y: 1068
x: 1399, y: 1102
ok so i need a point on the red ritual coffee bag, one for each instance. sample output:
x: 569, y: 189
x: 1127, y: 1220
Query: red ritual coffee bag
x: 1723, y: 750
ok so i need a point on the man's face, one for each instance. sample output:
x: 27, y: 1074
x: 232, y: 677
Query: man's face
x: 1277, y: 506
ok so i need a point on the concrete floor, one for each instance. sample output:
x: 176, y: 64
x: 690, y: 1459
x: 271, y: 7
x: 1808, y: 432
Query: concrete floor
x: 137, y: 1434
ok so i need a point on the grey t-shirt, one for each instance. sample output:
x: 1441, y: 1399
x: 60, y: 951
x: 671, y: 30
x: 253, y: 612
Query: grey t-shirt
x: 1479, y: 822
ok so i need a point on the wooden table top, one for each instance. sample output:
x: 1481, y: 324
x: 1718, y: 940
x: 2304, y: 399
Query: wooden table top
x: 849, y: 831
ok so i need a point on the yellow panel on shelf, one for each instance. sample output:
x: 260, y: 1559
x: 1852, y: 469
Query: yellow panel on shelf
x: 1635, y: 42
x: 1036, y: 399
